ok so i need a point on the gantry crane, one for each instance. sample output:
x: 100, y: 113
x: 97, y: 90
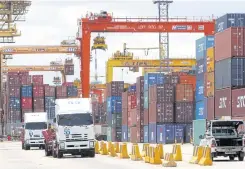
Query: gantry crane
x: 104, y: 22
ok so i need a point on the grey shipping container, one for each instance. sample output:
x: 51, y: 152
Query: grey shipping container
x: 184, y: 112
x: 114, y: 88
x: 230, y: 73
x: 161, y: 93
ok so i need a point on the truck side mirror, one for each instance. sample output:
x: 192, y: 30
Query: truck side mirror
x: 54, y: 120
x: 201, y: 137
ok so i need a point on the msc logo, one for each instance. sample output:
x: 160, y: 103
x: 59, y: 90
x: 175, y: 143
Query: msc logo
x: 200, y: 111
x: 222, y: 102
x: 220, y: 27
x: 200, y: 90
x: 240, y: 101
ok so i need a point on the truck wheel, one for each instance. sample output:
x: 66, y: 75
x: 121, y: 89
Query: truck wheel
x: 231, y: 158
x: 59, y: 154
x: 91, y: 153
x: 54, y: 153
x: 241, y: 156
x: 27, y: 147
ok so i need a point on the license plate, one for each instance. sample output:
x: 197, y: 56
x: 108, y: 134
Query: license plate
x: 230, y: 152
x: 76, y: 145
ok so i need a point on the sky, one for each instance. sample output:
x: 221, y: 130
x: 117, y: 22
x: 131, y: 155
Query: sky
x: 48, y: 22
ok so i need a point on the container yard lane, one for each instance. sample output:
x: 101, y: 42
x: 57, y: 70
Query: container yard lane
x: 12, y: 157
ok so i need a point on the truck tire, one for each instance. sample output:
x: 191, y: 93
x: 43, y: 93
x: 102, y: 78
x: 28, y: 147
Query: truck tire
x: 91, y: 153
x: 232, y: 158
x: 59, y: 154
x: 241, y: 156
x: 27, y: 147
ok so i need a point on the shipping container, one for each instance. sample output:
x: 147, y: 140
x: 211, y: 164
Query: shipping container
x: 184, y: 93
x: 188, y: 137
x: 14, y: 102
x: 209, y: 84
x: 172, y: 79
x: 132, y: 101
x: 25, y: 80
x: 140, y: 101
x: 210, y: 60
x: 14, y: 116
x: 202, y: 45
x: 146, y: 136
x: 161, y: 112
x: 114, y: 88
x: 199, y: 91
x: 161, y: 93
x: 140, y: 84
x: 49, y: 91
x: 61, y: 92
x: 199, y: 128
x: 13, y: 80
x: 184, y: 112
x: 133, y: 135
x: 114, y: 104
x: 14, y: 91
x: 125, y: 116
x: 188, y: 79
x: 109, y: 134
x: 116, y: 135
x: 238, y: 102
x: 23, y: 73
x: 26, y: 91
x: 165, y: 134
x: 152, y: 133
x: 140, y: 134
x: 229, y: 43
x: 132, y: 118
x: 210, y: 108
x: 26, y: 103
x: 146, y: 99
x: 223, y: 102
x: 179, y: 131
x: 38, y: 91
x: 116, y: 120
x: 232, y: 75
x: 38, y: 103
x: 132, y: 88
x: 146, y: 116
x: 125, y: 100
x: 49, y: 101
x: 72, y: 91
x: 125, y: 133
x: 201, y: 68
x: 200, y: 112
x: 51, y: 112
x: 153, y: 78
x: 37, y: 79
x: 229, y: 20
x: 69, y: 69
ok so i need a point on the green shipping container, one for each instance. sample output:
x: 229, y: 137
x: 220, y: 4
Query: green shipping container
x: 109, y: 138
x: 199, y: 128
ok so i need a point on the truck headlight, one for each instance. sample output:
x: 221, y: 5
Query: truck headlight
x: 91, y: 144
x: 27, y: 141
x: 62, y: 145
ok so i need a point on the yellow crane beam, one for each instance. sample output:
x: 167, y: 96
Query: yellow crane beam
x: 111, y: 63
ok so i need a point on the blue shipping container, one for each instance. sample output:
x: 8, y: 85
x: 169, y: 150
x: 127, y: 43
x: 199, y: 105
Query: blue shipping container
x: 50, y: 112
x: 153, y: 78
x: 152, y: 133
x: 129, y: 134
x: 205, y: 109
x: 49, y: 101
x: 132, y: 88
x: 229, y: 20
x: 125, y: 133
x: 179, y: 132
x: 165, y: 133
x: 146, y: 101
x: 201, y: 68
x: 146, y: 135
x: 26, y: 91
x: 199, y: 91
x: 72, y: 91
x: 114, y: 104
x: 199, y: 112
x: 14, y: 102
x: 202, y: 45
x: 188, y: 133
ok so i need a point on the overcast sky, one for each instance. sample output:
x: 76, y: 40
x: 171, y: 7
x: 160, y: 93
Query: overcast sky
x: 50, y: 22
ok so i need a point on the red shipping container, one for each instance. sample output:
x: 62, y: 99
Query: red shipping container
x: 161, y: 112
x: 25, y: 80
x: 37, y: 79
x: 14, y: 80
x: 146, y: 116
x: 223, y: 102
x: 140, y: 85
x: 26, y: 103
x: 133, y: 134
x: 210, y: 108
x: 184, y: 93
x: 229, y: 43
x: 133, y: 101
x: 125, y: 100
x: 49, y: 91
x: 14, y: 91
x: 188, y: 79
x: 238, y: 102
x: 124, y: 116
x: 38, y: 91
x: 38, y: 103
x: 61, y: 91
x: 132, y: 117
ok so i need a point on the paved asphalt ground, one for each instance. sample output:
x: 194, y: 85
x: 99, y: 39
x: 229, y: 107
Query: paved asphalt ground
x: 13, y: 157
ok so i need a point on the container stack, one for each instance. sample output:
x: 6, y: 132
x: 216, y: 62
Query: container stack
x: 26, y: 99
x: 49, y: 98
x: 114, y: 91
x: 98, y: 112
x: 72, y: 91
x: 125, y: 128
x: 140, y: 109
x: 202, y: 45
x: 61, y: 92
x: 38, y: 93
x: 230, y: 66
x: 132, y: 113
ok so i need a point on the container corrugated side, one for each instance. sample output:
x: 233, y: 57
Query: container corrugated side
x: 184, y: 112
x: 133, y: 135
x: 146, y: 135
x: 199, y: 91
x: 184, y: 93
x: 210, y: 59
x: 223, y: 102
x: 152, y: 133
x: 202, y: 45
x: 165, y: 134
x: 201, y: 68
x: 179, y: 133
x: 125, y: 133
x: 199, y: 111
x: 238, y: 102
x: 210, y: 108
x: 209, y: 84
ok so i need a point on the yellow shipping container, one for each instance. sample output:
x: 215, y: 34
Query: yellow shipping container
x: 210, y: 59
x: 209, y: 84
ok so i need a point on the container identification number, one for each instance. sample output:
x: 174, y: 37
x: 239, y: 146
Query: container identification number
x: 240, y: 101
x: 222, y: 102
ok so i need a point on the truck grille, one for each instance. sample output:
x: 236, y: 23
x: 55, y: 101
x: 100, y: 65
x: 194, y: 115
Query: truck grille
x: 77, y: 137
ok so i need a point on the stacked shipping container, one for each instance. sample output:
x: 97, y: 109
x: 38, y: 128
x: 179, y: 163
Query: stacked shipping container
x: 38, y: 93
x: 49, y: 98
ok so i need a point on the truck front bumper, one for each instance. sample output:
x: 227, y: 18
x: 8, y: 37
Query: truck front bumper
x: 34, y: 143
x: 226, y: 151
x: 79, y: 146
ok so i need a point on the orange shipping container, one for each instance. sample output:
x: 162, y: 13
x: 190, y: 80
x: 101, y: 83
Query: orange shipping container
x: 210, y: 59
x: 209, y: 84
x: 188, y: 79
x: 184, y: 93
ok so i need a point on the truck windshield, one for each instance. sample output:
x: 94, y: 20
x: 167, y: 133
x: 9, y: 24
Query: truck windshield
x: 75, y: 119
x: 36, y: 126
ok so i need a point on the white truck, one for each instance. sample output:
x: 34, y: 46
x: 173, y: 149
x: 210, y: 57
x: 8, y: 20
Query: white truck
x: 73, y: 127
x: 34, y: 124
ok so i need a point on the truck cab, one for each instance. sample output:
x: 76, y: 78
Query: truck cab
x: 34, y: 124
x: 74, y: 128
x: 226, y: 138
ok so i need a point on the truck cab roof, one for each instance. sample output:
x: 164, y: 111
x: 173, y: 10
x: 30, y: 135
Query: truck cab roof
x: 226, y: 123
